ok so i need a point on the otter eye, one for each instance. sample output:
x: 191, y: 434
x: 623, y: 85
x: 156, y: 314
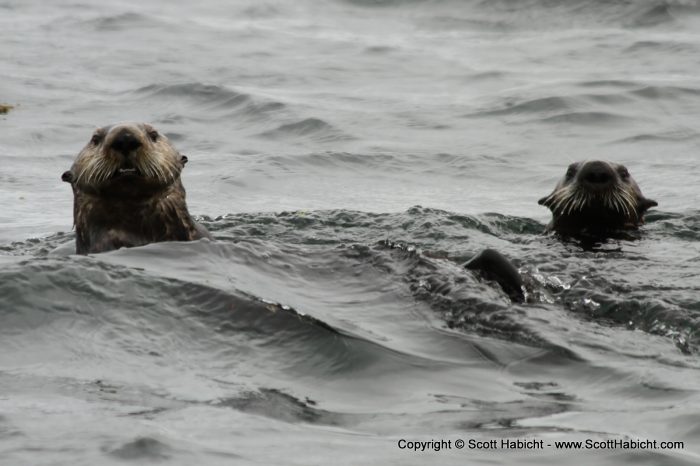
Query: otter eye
x: 624, y: 174
x: 97, y: 138
x: 571, y: 171
x: 153, y: 134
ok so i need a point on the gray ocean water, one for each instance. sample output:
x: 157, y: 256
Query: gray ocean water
x: 348, y: 155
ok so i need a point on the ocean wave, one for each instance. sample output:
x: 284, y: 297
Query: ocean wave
x: 615, y: 105
x: 202, y: 93
x: 508, y: 16
x: 212, y: 102
x: 667, y: 92
x: 662, y: 46
x: 544, y: 104
x: 421, y: 226
x: 114, y: 311
x: 383, y: 3
x: 641, y: 309
x: 682, y: 226
x: 610, y: 83
x: 456, y: 412
x: 590, y: 118
x: 556, y: 110
x: 586, y: 109
x: 116, y: 22
x: 677, y: 136
x: 308, y: 128
x: 260, y: 259
x: 656, y: 13
x: 140, y: 449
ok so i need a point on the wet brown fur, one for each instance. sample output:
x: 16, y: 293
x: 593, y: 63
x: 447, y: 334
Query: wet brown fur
x: 128, y: 196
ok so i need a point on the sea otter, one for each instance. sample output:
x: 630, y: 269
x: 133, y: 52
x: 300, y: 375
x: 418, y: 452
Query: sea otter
x: 127, y: 191
x: 596, y: 200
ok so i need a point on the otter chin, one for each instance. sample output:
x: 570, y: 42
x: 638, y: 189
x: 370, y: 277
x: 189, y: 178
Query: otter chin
x: 596, y: 199
x: 127, y: 190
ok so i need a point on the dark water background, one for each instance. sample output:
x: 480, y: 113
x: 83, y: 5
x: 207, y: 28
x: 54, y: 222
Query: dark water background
x: 347, y: 156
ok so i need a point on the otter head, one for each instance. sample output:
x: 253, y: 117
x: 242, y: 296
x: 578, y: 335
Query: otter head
x: 596, y: 198
x: 128, y: 160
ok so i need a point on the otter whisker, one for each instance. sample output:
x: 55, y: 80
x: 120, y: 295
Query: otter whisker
x: 95, y: 173
x: 584, y: 200
x: 631, y: 205
x: 616, y: 202
x: 571, y: 206
x: 154, y: 164
x: 149, y: 170
x: 620, y: 197
x: 575, y: 200
x: 157, y: 171
x: 624, y: 204
x: 105, y: 169
x: 90, y: 171
x: 563, y: 207
x: 561, y: 204
x: 94, y: 169
x: 161, y: 173
x: 609, y: 199
x: 562, y: 199
x: 168, y: 169
x: 103, y: 172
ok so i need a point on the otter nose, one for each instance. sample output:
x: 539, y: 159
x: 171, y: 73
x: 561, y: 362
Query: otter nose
x: 125, y: 142
x: 597, y: 173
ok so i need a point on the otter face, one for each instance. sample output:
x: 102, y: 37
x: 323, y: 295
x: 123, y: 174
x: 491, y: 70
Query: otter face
x: 126, y: 158
x: 596, y: 196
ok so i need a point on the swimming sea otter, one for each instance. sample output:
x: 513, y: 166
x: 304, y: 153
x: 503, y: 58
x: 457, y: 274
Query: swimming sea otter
x: 127, y: 191
x: 596, y: 199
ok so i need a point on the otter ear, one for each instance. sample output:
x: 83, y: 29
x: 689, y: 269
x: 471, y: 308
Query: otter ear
x: 646, y: 204
x: 67, y: 176
x: 183, y: 160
